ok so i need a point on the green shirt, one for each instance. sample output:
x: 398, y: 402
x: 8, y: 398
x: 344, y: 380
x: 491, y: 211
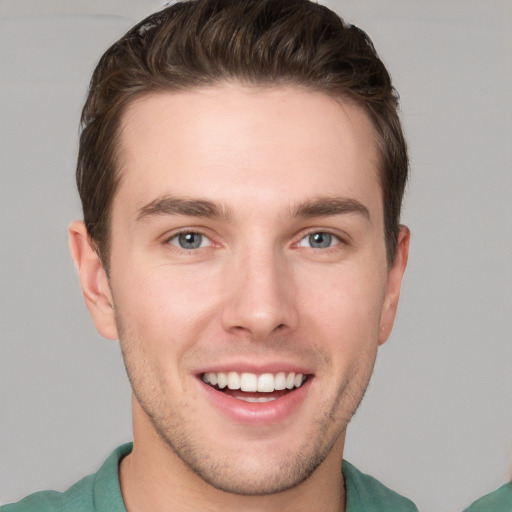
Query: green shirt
x: 497, y: 501
x: 100, y: 492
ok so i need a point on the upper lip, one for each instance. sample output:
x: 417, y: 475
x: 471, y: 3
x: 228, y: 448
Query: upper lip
x: 258, y: 369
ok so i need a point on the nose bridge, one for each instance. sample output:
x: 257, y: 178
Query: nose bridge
x: 261, y: 298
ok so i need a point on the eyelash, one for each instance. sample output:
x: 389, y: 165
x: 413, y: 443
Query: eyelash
x: 337, y: 240
x: 183, y: 250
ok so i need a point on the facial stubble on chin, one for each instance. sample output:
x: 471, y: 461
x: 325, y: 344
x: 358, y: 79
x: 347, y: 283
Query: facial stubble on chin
x: 294, y: 467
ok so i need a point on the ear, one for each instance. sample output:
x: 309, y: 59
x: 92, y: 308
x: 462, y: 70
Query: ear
x: 395, y: 274
x: 93, y: 279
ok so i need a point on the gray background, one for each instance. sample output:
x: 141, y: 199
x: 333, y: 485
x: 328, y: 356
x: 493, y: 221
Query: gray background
x: 436, y: 423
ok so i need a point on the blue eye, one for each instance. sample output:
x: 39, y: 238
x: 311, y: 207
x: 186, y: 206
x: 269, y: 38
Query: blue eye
x: 319, y: 240
x: 190, y: 240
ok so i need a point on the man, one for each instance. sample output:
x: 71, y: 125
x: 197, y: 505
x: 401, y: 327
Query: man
x: 241, y: 170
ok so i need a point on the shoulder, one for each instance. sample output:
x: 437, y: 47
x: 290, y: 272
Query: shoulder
x: 99, y: 492
x: 497, y: 501
x: 77, y: 498
x: 366, y: 493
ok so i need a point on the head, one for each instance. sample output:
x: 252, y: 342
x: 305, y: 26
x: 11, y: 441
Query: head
x: 262, y: 43
x: 241, y: 168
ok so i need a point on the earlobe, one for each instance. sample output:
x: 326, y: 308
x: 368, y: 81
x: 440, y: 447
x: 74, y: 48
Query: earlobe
x: 395, y: 275
x: 93, y: 280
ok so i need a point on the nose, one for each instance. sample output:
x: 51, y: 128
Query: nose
x: 261, y: 296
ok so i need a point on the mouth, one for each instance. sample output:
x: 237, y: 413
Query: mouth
x: 255, y: 388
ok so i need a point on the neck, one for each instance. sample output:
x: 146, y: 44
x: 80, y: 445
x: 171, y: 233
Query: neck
x: 153, y: 478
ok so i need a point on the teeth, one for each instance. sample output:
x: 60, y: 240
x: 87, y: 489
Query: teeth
x: 266, y: 383
x: 251, y: 383
x: 233, y: 380
x: 253, y: 400
x: 222, y: 380
x: 280, y: 382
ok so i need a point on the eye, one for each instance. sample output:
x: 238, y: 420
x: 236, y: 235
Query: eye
x: 190, y: 240
x: 319, y: 240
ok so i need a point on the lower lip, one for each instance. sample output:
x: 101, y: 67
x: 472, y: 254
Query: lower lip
x: 266, y: 413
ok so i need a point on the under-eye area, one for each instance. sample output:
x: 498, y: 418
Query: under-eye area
x: 254, y: 388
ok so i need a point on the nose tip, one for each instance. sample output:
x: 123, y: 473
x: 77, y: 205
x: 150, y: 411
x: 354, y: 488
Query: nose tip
x: 261, y: 301
x: 258, y: 323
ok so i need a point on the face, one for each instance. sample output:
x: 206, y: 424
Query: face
x: 248, y: 279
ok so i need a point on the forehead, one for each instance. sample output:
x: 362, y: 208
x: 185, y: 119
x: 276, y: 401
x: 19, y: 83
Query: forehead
x: 269, y: 146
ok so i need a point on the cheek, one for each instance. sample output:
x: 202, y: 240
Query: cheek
x: 181, y: 297
x: 164, y: 308
x: 345, y: 305
x: 164, y: 311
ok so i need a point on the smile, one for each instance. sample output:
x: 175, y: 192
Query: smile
x: 246, y: 386
x: 257, y: 398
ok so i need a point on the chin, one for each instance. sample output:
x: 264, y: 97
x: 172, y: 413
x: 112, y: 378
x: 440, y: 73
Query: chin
x: 251, y: 475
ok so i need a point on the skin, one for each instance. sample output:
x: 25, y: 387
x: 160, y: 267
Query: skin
x: 256, y: 292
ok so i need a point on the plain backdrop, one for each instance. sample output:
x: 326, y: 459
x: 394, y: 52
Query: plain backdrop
x: 436, y: 422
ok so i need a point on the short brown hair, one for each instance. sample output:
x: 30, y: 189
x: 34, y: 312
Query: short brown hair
x: 255, y: 42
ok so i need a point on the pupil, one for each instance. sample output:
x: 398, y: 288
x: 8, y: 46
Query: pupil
x: 190, y: 240
x: 320, y: 240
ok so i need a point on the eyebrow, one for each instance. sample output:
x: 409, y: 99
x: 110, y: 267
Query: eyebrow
x: 171, y: 205
x: 328, y: 206
x: 318, y: 207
